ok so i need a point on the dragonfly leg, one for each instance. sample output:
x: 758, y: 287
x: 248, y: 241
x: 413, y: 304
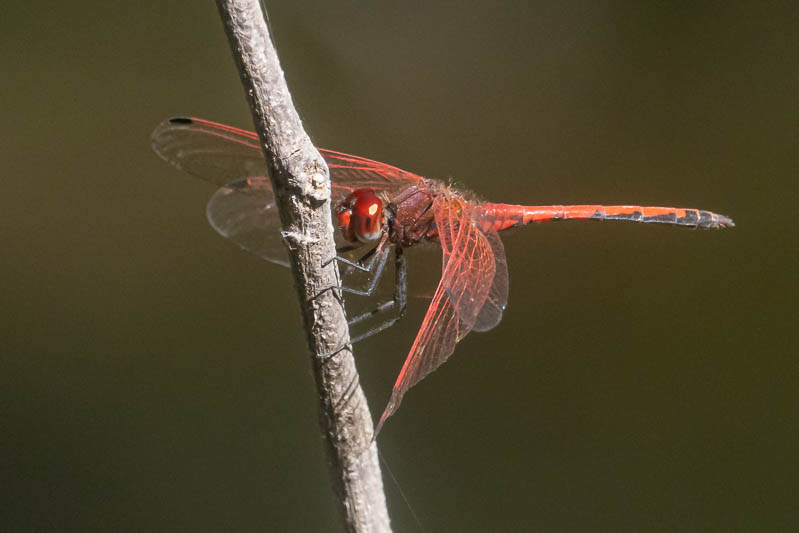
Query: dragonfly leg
x: 367, y: 261
x: 375, y: 268
x: 359, y: 264
x: 396, y: 305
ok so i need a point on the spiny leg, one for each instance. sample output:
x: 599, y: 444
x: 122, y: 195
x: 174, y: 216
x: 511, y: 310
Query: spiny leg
x: 396, y: 304
x: 376, y: 267
x: 373, y: 262
x: 372, y: 255
x: 379, y: 255
x: 359, y: 264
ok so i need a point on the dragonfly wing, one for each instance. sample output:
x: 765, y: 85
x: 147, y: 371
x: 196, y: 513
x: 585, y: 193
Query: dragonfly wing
x: 481, y: 277
x: 491, y: 313
x: 466, y: 281
x: 243, y: 208
x: 220, y: 154
x: 213, y: 152
x: 244, y: 211
x: 351, y: 172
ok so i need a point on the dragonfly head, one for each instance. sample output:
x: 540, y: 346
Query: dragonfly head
x: 360, y: 216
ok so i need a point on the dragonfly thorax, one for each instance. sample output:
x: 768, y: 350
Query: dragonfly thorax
x: 360, y: 216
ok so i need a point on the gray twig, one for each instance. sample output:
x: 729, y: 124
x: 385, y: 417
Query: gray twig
x: 302, y: 190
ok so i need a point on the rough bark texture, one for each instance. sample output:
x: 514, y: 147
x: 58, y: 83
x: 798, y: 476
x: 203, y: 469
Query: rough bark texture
x: 302, y: 189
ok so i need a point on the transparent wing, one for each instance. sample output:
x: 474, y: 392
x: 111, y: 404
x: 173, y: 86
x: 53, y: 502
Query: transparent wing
x: 350, y: 172
x: 219, y: 154
x: 243, y: 209
x: 213, y: 152
x: 469, y: 269
x: 497, y: 300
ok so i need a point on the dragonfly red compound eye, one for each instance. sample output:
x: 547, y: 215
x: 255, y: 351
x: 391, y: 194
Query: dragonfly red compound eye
x: 360, y: 216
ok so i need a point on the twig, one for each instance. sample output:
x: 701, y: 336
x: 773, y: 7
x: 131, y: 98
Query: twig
x: 302, y: 190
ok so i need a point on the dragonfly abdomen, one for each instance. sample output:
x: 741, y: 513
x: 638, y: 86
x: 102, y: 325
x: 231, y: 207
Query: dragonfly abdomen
x: 498, y: 217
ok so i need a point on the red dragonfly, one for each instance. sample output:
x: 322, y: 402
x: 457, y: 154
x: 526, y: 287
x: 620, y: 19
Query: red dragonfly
x: 381, y: 208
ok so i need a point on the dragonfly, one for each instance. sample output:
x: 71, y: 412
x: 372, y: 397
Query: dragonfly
x: 382, y: 209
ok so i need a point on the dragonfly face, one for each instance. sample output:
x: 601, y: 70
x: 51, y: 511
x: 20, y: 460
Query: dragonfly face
x: 360, y: 217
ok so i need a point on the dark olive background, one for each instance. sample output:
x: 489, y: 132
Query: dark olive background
x: 644, y: 378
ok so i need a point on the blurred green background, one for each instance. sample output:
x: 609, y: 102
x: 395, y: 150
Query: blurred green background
x: 153, y: 377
